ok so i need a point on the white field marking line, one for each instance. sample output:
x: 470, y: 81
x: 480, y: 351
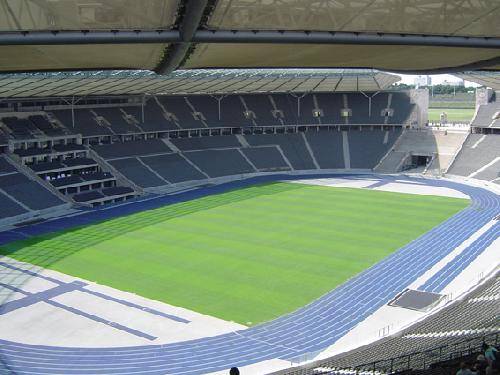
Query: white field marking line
x: 484, y: 167
x: 478, y: 141
x: 452, y: 255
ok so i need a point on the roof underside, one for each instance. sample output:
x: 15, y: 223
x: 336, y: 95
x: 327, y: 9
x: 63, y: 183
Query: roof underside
x: 163, y: 35
x: 489, y: 79
x: 191, y: 82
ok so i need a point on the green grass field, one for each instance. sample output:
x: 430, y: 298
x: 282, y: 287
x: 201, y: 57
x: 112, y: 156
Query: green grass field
x: 454, y: 114
x: 247, y: 255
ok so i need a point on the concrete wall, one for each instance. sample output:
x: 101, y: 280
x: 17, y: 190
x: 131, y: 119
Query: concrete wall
x: 420, y: 97
x: 483, y: 96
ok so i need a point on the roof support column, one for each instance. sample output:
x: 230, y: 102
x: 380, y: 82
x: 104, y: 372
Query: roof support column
x: 175, y: 56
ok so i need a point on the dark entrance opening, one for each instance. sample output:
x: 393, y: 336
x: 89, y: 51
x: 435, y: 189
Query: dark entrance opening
x: 419, y: 160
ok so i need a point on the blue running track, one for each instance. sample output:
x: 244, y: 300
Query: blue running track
x: 309, y: 329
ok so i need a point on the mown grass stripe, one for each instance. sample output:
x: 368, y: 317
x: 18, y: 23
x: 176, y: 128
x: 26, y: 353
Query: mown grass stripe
x: 247, y: 255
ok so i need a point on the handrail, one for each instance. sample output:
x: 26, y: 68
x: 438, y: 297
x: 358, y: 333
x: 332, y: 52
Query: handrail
x: 423, y: 359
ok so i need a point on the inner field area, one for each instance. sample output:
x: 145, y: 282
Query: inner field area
x: 247, y: 255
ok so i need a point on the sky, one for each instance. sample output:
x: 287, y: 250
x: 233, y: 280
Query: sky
x: 436, y: 79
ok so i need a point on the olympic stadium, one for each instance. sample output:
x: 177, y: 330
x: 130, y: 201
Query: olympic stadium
x: 192, y: 186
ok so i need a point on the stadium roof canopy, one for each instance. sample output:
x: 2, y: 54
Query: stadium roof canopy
x: 164, y: 35
x: 489, y: 79
x: 102, y: 83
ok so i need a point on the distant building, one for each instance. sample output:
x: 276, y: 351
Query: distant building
x: 423, y: 81
x: 459, y: 83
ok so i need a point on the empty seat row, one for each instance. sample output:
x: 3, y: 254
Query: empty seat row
x: 67, y: 163
x: 30, y: 127
x: 164, y: 113
x: 81, y: 178
x: 61, y: 148
x: 477, y: 157
x: 132, y: 148
x: 151, y: 163
x: 461, y: 319
x: 6, y: 167
x: 28, y: 192
x: 486, y: 115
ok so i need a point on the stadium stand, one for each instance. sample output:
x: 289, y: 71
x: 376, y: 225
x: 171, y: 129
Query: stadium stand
x: 360, y: 110
x: 132, y: 148
x: 327, y: 147
x: 488, y: 115
x: 116, y: 132
x: 368, y: 147
x: 168, y: 113
x: 154, y: 119
x: 88, y: 197
x: 5, y: 166
x: 117, y: 120
x: 117, y: 191
x: 435, y: 148
x: 331, y: 105
x: 424, y: 343
x: 9, y: 207
x: 219, y: 163
x: 66, y: 166
x: 85, y: 122
x: 262, y: 106
x: 402, y: 107
x: 233, y: 112
x: 3, y: 138
x: 266, y: 158
x: 380, y: 105
x: 137, y: 172
x: 46, y: 126
x: 208, y: 106
x: 307, y: 107
x: 20, y: 128
x: 28, y: 192
x: 173, y: 168
x: 479, y: 158
x: 288, y: 105
x: 292, y: 145
x: 201, y: 143
x: 151, y: 163
x: 183, y: 114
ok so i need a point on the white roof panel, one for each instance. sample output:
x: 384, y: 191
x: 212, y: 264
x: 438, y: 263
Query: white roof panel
x: 439, y: 17
x: 190, y: 82
x: 87, y: 15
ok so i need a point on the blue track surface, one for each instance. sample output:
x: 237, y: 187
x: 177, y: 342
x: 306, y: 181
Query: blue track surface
x: 309, y: 329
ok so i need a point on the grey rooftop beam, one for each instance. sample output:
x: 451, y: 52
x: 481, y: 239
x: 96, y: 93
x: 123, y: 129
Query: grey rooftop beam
x: 26, y: 38
x: 322, y: 37
x: 230, y: 36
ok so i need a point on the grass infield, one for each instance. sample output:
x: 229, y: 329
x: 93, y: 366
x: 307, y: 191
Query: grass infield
x: 454, y: 114
x: 248, y: 255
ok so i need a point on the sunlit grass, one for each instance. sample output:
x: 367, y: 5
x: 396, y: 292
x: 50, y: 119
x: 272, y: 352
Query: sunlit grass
x: 247, y: 255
